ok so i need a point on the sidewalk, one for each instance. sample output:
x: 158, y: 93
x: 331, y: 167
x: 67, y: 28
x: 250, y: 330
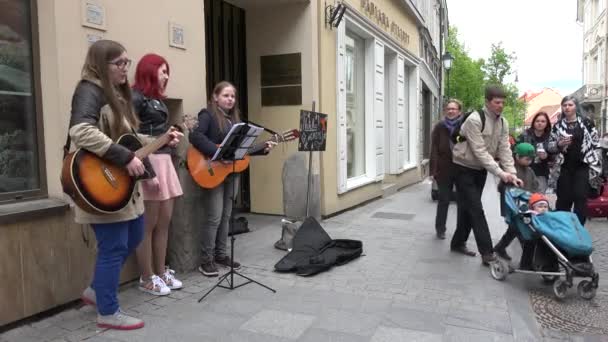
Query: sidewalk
x: 406, y: 287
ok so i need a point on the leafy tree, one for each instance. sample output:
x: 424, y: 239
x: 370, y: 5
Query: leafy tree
x: 499, y: 65
x: 466, y: 74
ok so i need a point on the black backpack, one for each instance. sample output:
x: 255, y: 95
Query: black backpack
x: 457, y: 137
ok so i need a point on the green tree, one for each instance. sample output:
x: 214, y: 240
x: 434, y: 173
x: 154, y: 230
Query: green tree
x: 466, y: 74
x: 499, y: 65
x: 497, y: 68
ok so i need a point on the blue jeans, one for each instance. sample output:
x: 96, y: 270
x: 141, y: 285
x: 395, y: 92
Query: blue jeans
x: 115, y: 241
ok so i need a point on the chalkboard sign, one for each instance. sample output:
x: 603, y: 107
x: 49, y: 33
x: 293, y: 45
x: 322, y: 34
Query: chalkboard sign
x: 313, y: 131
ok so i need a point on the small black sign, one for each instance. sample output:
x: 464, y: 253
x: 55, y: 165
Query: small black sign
x: 313, y: 131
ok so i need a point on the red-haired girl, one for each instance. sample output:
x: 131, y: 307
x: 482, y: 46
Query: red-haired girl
x: 151, y: 77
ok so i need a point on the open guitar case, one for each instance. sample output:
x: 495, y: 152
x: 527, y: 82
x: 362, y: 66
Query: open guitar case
x: 314, y: 251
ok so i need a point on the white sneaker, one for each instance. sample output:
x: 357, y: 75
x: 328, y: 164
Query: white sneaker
x: 119, y: 321
x: 154, y: 286
x: 170, y: 280
x: 88, y: 296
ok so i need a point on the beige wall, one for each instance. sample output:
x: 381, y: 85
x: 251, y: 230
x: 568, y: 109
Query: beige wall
x: 293, y: 31
x: 142, y: 27
x: 395, y: 10
x: 331, y: 202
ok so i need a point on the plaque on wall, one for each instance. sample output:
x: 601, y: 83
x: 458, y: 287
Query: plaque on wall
x: 93, y: 14
x: 313, y: 131
x: 281, y: 79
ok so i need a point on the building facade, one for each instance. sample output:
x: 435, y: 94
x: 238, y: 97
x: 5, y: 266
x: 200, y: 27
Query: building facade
x: 593, y: 95
x: 370, y: 71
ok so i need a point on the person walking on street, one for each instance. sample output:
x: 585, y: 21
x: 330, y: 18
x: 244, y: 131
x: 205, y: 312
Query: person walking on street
x: 442, y: 167
x: 577, y: 166
x: 483, y: 146
x: 538, y: 135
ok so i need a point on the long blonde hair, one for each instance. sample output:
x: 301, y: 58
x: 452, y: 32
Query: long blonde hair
x: 234, y: 113
x: 118, y: 96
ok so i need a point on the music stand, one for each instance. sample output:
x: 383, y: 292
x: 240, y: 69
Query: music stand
x: 234, y: 147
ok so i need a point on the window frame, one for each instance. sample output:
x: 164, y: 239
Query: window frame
x: 42, y: 190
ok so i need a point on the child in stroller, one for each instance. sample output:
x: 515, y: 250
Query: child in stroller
x: 554, y: 244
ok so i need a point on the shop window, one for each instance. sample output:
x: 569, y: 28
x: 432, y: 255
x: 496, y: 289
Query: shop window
x: 355, y: 105
x: 21, y: 156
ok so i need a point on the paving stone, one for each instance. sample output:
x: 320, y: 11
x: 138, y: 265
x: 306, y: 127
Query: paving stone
x: 162, y: 301
x: 388, y: 334
x: 145, y: 308
x: 73, y: 324
x: 193, y: 289
x: 415, y: 320
x: 179, y: 294
x: 458, y: 334
x: 317, y: 335
x: 84, y: 333
x: 348, y: 322
x: 279, y: 323
x: 489, y: 321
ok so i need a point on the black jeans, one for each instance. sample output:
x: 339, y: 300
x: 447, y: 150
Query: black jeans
x: 445, y: 187
x: 573, y: 188
x: 507, y: 238
x: 469, y: 187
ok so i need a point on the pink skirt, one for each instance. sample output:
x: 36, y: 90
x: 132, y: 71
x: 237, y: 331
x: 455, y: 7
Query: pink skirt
x: 168, y: 186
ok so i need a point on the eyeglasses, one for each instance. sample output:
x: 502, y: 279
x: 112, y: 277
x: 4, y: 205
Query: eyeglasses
x: 122, y: 63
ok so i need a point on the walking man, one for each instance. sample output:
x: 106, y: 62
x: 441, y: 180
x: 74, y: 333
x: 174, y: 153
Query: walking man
x: 483, y: 146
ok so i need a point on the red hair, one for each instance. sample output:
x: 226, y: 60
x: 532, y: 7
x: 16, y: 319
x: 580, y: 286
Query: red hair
x: 146, y: 75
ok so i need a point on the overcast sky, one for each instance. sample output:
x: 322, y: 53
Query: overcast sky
x: 543, y: 33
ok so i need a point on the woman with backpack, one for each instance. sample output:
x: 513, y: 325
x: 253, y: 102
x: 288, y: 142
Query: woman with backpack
x: 441, y: 161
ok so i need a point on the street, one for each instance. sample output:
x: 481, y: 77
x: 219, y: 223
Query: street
x: 407, y: 286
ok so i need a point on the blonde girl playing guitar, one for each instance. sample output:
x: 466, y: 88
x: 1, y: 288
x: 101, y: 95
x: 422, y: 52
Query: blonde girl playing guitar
x: 214, y: 123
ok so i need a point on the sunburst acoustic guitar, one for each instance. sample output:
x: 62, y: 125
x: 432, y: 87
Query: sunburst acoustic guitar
x: 209, y: 174
x: 98, y: 186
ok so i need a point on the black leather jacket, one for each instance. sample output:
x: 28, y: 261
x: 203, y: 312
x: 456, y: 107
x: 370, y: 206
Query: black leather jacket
x: 153, y: 116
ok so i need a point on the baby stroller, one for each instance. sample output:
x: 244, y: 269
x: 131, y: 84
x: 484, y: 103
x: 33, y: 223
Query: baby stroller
x: 555, y: 245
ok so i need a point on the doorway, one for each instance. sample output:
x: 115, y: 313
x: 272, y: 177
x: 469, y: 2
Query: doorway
x: 225, y: 46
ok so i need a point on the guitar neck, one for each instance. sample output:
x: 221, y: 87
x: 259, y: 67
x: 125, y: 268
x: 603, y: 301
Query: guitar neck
x: 152, y: 147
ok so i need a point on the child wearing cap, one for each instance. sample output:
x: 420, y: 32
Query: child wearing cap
x: 538, y: 204
x: 524, y: 155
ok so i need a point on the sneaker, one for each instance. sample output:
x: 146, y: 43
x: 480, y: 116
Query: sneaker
x: 170, y: 280
x: 209, y: 269
x: 501, y: 252
x: 119, y: 321
x: 154, y: 286
x: 88, y: 296
x: 441, y: 235
x: 225, y: 261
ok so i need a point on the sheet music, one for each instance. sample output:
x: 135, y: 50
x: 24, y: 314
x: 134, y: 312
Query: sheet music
x: 247, y: 141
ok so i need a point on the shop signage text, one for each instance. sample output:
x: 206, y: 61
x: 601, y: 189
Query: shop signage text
x: 371, y: 10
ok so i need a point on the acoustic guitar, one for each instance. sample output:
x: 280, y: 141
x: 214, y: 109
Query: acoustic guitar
x: 98, y: 186
x: 209, y: 174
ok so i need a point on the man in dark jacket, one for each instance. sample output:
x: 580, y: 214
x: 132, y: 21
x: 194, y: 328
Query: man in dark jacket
x: 441, y: 161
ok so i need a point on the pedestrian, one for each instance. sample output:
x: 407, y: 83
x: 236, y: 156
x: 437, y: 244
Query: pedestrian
x: 151, y: 78
x: 102, y: 112
x: 483, y: 146
x: 524, y: 156
x: 441, y: 165
x: 538, y: 135
x: 577, y: 167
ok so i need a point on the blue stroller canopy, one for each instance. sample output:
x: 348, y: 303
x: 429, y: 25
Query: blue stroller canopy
x: 562, y: 228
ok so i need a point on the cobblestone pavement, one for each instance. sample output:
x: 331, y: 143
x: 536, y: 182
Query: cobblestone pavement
x: 406, y: 287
